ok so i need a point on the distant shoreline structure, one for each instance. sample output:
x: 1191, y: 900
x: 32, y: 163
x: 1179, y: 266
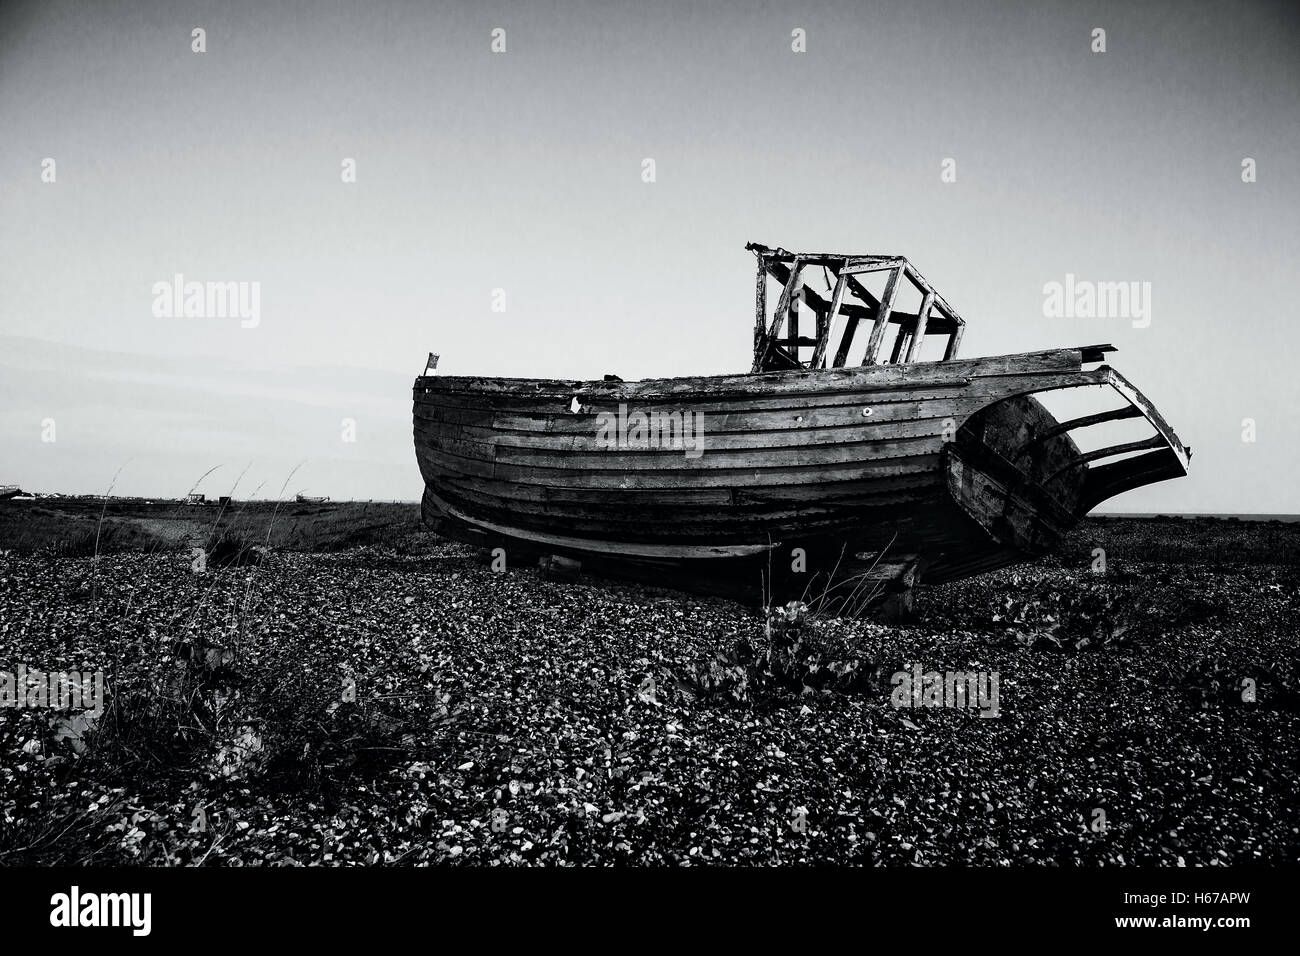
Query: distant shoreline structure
x: 174, y: 500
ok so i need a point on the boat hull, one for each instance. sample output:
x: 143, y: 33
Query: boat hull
x: 928, y: 470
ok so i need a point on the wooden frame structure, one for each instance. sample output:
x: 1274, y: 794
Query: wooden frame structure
x: 777, y: 338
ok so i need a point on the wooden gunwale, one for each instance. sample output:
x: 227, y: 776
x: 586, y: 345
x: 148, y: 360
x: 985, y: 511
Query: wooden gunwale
x: 765, y: 384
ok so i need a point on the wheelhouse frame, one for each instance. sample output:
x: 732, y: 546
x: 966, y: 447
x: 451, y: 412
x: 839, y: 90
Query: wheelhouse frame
x: 777, y: 338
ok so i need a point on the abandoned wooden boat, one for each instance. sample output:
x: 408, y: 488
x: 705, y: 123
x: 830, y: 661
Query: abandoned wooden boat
x: 903, y: 469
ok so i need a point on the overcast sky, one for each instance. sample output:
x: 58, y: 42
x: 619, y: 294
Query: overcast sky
x: 522, y: 171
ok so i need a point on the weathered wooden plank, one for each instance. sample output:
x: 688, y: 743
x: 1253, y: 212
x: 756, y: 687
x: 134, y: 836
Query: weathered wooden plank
x: 954, y: 343
x: 650, y: 524
x: 815, y: 258
x: 516, y: 429
x: 775, y: 383
x: 779, y: 315
x: 664, y: 516
x: 858, y: 431
x: 480, y: 451
x: 792, y: 338
x: 982, y: 390
x: 456, y: 409
x: 671, y: 461
x: 1155, y: 441
x: 916, y: 517
x: 918, y: 330
x: 610, y: 547
x: 882, y: 318
x: 826, y: 434
x: 859, y: 266
x: 828, y: 323
x: 761, y: 457
x: 851, y: 492
x: 953, y: 325
x: 828, y: 385
x: 1138, y: 400
x: 846, y: 341
x: 1083, y: 421
x: 736, y: 477
x: 894, y: 542
x: 778, y: 409
x: 440, y: 463
x: 901, y: 341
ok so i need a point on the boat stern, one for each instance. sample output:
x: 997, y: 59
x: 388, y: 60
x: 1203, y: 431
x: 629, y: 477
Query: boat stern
x: 1019, y: 474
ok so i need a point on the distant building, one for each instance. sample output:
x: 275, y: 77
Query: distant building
x: 196, y: 498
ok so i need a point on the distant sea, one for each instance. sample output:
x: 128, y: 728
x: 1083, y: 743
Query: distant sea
x: 1173, y: 514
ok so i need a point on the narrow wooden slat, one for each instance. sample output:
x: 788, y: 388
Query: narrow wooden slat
x: 874, y: 265
x: 823, y: 338
x: 735, y: 477
x: 817, y: 423
x: 702, y: 503
x: 1084, y: 421
x: 851, y: 491
x: 882, y: 317
x: 901, y: 341
x: 489, y: 392
x: 650, y: 524
x: 846, y: 341
x: 1155, y: 441
x: 852, y: 319
x: 779, y: 315
x: 917, y: 382
x: 918, y: 331
x: 530, y: 419
x: 954, y: 326
x: 675, y: 461
x: 954, y: 343
x: 610, y: 547
x: 817, y: 258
